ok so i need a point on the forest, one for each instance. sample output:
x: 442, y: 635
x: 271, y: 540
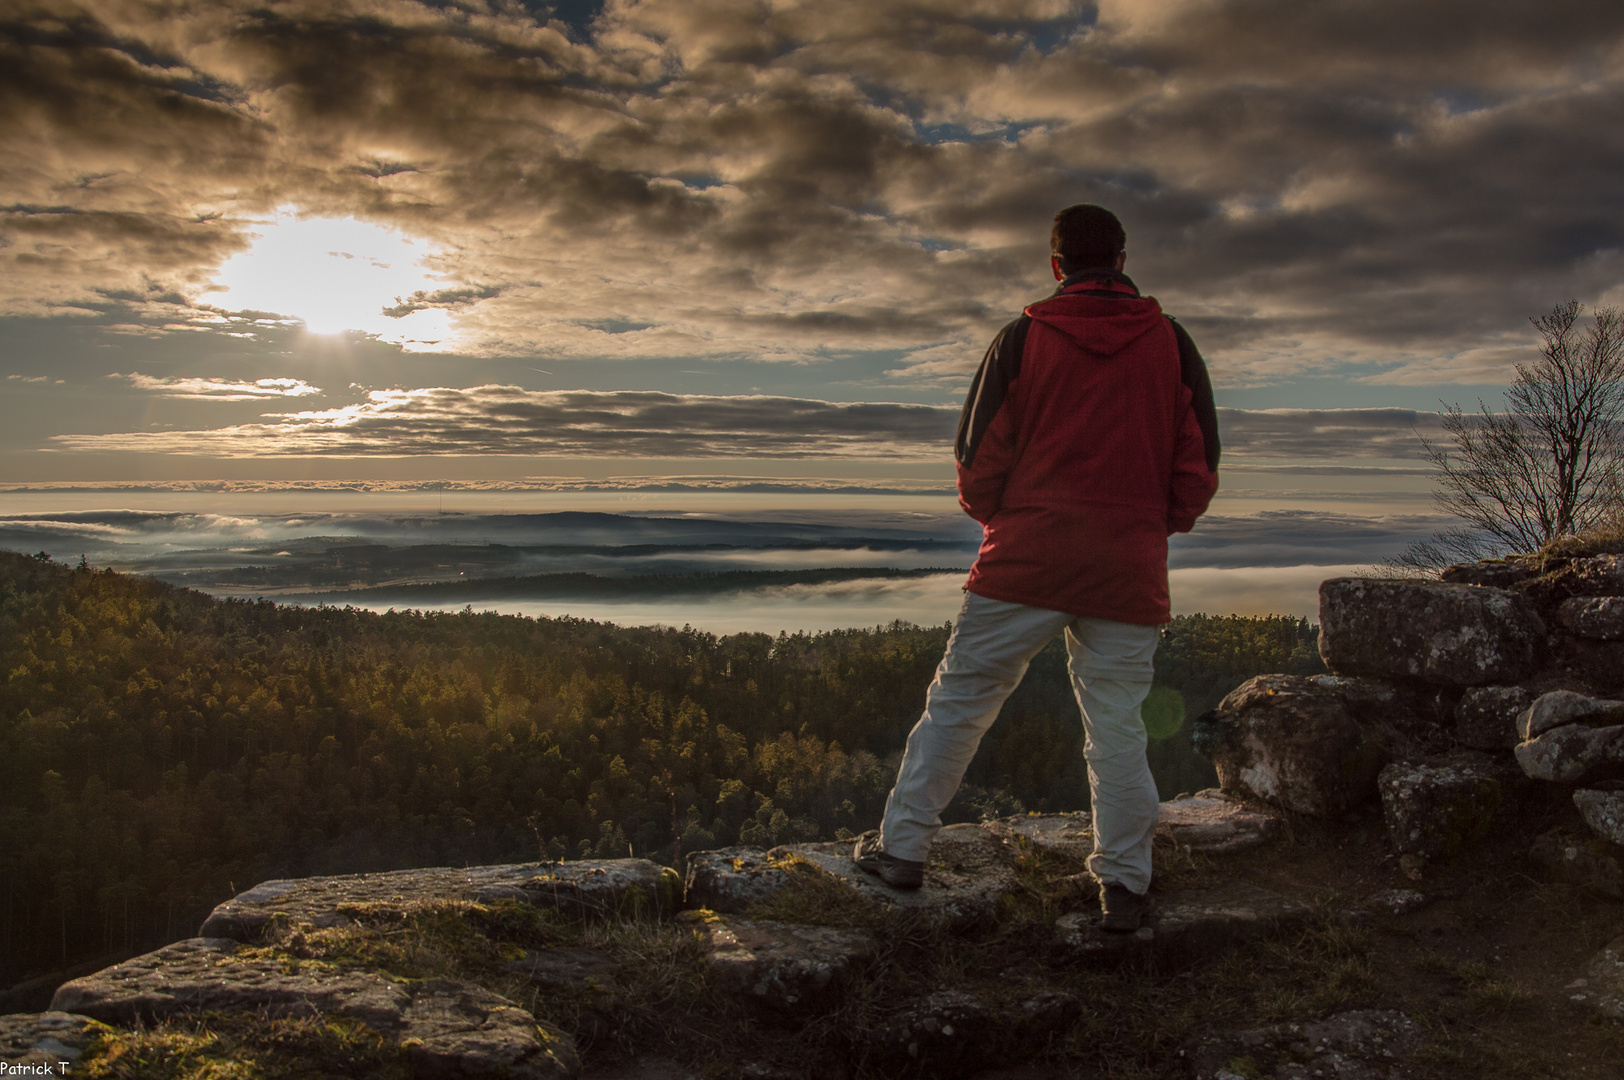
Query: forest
x: 161, y: 750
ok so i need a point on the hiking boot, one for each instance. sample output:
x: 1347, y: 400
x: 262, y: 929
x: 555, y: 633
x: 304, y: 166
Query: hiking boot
x: 1122, y: 909
x: 871, y: 858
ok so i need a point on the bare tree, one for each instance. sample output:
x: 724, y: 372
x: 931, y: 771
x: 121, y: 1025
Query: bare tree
x: 1551, y: 465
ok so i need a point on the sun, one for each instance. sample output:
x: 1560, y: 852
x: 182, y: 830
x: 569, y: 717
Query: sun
x: 336, y: 275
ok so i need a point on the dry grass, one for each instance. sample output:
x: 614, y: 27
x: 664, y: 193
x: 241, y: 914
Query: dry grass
x: 243, y: 1047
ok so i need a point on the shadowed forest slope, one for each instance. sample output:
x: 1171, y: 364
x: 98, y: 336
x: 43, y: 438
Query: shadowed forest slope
x: 160, y: 750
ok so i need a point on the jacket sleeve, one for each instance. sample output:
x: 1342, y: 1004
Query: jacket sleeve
x: 1197, y: 450
x: 985, y: 447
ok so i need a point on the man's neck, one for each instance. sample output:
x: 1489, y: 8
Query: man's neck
x: 1107, y: 275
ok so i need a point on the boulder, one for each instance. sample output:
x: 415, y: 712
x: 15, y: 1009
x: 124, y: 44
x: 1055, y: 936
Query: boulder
x: 625, y: 887
x: 1437, y: 810
x: 967, y: 873
x: 1486, y: 718
x: 1214, y: 823
x: 1603, y: 811
x: 1445, y: 634
x: 1599, y: 617
x: 1495, y: 573
x: 45, y: 1044
x: 1574, y: 754
x: 1601, y: 986
x: 946, y: 1034
x: 1584, y: 861
x: 1599, y: 575
x: 446, y: 1028
x: 790, y: 969
x: 1183, y: 927
x: 1291, y: 742
x: 1362, y: 1044
x: 1562, y: 707
x: 731, y: 880
x: 1413, y: 708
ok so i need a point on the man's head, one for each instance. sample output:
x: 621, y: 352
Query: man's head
x: 1086, y: 237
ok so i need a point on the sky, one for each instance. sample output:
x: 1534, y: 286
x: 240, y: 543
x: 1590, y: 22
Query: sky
x: 748, y: 244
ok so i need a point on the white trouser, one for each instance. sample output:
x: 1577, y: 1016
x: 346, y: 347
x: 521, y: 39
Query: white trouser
x: 991, y: 645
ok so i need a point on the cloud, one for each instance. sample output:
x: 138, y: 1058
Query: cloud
x: 512, y: 420
x: 1299, y: 434
x: 207, y: 389
x: 1281, y: 537
x: 1382, y: 190
x: 501, y: 419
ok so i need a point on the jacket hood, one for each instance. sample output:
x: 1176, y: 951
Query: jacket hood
x: 1101, y: 326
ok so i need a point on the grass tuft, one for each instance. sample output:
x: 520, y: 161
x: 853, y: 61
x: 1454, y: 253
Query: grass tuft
x: 216, y: 1046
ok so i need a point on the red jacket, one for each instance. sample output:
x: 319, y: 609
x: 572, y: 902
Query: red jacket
x: 1088, y: 438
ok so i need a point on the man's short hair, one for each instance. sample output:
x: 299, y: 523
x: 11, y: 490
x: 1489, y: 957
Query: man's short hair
x: 1085, y: 236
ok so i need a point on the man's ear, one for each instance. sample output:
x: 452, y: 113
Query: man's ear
x: 1122, y: 259
x: 1054, y: 264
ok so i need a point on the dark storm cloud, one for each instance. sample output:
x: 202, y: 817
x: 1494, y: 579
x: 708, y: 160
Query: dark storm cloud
x: 1380, y: 189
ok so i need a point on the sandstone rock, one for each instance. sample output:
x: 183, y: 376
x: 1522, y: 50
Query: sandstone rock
x: 1400, y: 901
x: 731, y: 880
x: 203, y: 974
x: 947, y: 1034
x: 1575, y: 754
x: 1415, y: 709
x: 1362, y: 1044
x: 1486, y: 718
x: 1495, y: 573
x: 1209, y: 821
x: 1183, y: 927
x: 1594, y: 616
x: 567, y: 968
x: 448, y: 1029
x: 454, y: 1030
x: 609, y: 888
x: 1603, y: 811
x: 50, y: 1041
x: 1044, y: 1016
x: 1601, y: 987
x: 1453, y: 635
x: 789, y: 969
x: 1562, y: 707
x: 1437, y: 810
x: 1584, y: 861
x: 1290, y: 742
x: 1214, y: 823
x: 1600, y: 575
x: 1595, y: 664
x: 967, y: 871
x: 629, y: 887
x: 1070, y: 835
x: 648, y: 1067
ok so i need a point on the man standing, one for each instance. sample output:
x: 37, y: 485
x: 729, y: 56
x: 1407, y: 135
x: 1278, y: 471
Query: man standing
x: 1089, y: 437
